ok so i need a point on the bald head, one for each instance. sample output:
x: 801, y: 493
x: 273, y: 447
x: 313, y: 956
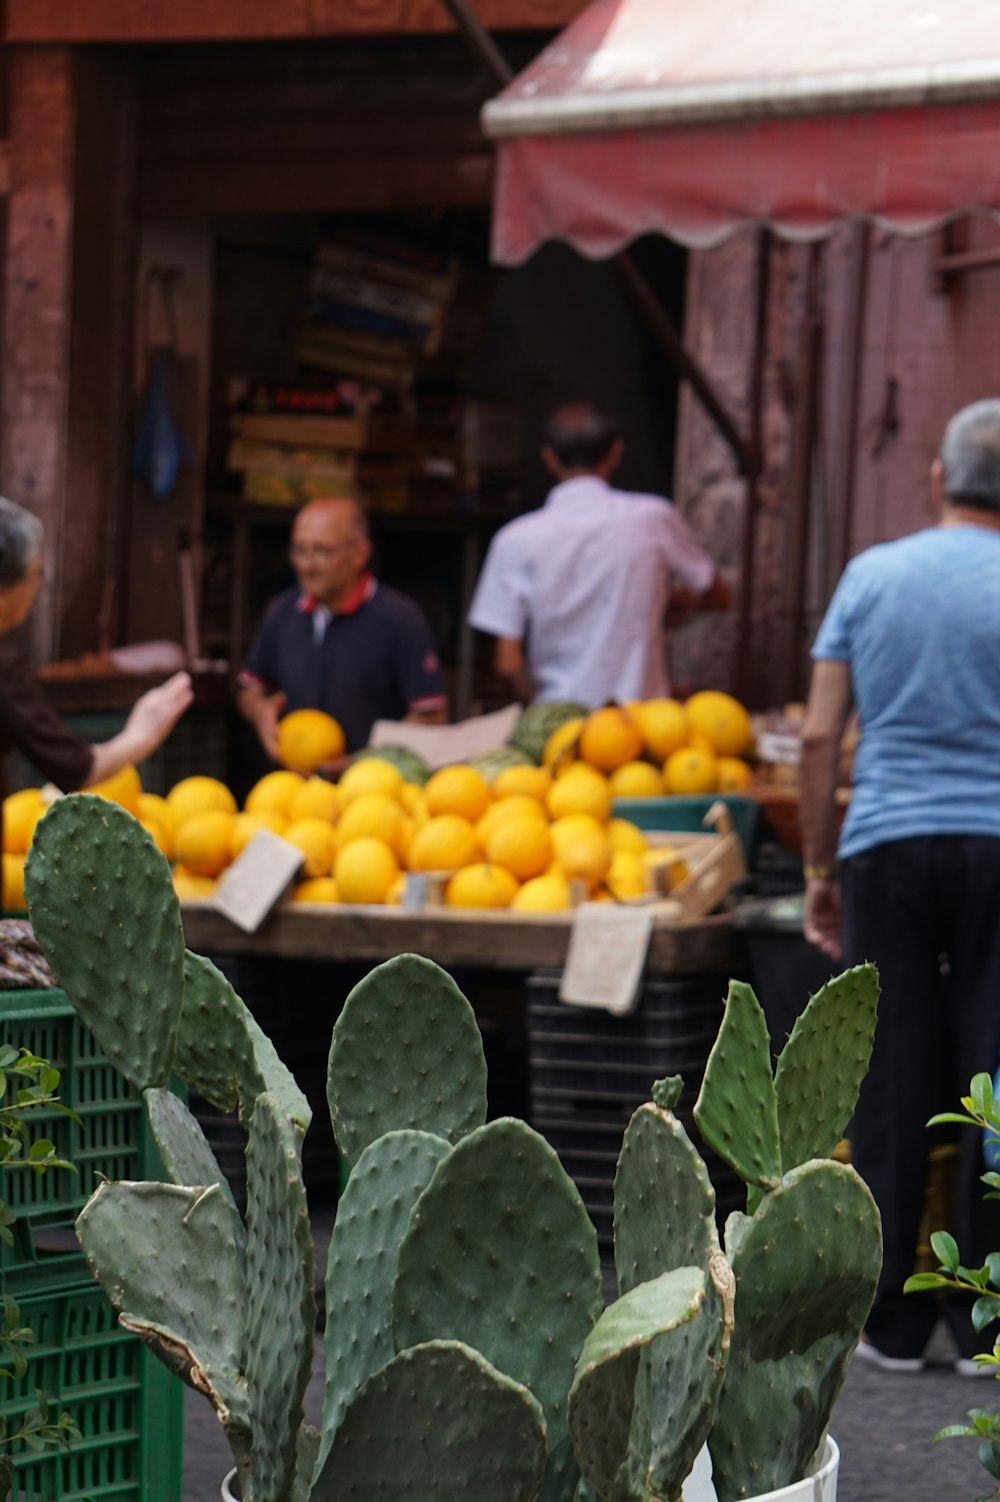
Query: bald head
x: 330, y: 548
x: 581, y: 439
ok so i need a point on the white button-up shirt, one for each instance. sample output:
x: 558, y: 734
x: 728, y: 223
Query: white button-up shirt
x: 584, y: 583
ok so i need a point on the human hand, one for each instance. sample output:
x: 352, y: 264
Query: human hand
x: 822, y: 915
x: 154, y: 715
x: 333, y: 768
x: 267, y: 713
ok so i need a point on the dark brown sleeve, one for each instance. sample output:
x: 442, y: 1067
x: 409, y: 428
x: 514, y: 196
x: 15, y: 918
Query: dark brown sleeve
x: 29, y: 721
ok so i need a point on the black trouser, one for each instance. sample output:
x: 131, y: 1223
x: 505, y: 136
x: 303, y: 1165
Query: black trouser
x: 905, y: 905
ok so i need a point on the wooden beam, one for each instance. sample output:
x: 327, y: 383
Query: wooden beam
x: 137, y: 21
x: 4, y: 168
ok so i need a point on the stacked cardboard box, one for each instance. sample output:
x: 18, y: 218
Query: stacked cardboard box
x: 294, y: 440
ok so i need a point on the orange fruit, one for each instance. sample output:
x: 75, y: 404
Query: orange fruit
x: 636, y: 779
x: 543, y: 894
x: 315, y: 799
x: 481, y: 885
x: 21, y: 812
x: 662, y: 724
x: 691, y: 770
x: 582, y: 847
x: 515, y: 806
x: 245, y: 826
x: 12, y: 884
x: 190, y: 887
x: 307, y: 738
x: 626, y: 876
x: 721, y: 719
x: 372, y: 814
x: 521, y: 845
x: 317, y: 839
x: 370, y: 775
x: 275, y: 792
x: 626, y: 836
x: 609, y: 739
x: 458, y: 790
x: 365, y: 870
x: 445, y: 843
x: 317, y: 889
x: 531, y: 782
x: 580, y: 790
x: 561, y: 746
x: 202, y: 842
x: 196, y: 795
x: 734, y: 775
x: 159, y: 836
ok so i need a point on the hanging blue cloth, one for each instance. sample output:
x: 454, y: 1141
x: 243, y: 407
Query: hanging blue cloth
x: 159, y: 449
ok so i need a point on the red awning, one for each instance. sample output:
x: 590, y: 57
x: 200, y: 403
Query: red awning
x: 695, y: 117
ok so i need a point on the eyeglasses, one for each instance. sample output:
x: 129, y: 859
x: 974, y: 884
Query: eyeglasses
x: 304, y: 552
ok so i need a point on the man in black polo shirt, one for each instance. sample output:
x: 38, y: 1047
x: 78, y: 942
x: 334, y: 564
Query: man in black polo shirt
x: 340, y: 642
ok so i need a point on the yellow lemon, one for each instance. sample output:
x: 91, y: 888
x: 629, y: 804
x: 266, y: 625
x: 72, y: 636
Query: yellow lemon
x: 444, y: 843
x: 375, y: 814
x: 245, y: 826
x: 636, y: 779
x: 153, y: 810
x: 275, y: 791
x: 196, y: 795
x: 317, y: 889
x: 307, y: 738
x: 13, y: 881
x: 625, y: 835
x: 582, y: 847
x: 315, y: 799
x: 397, y: 891
x: 521, y: 845
x: 365, y: 870
x: 190, y: 887
x: 481, y: 885
x: 202, y: 842
x: 543, y: 894
x: 458, y: 790
x: 609, y: 739
x: 700, y: 742
x: 370, y: 775
x: 665, y: 865
x: 155, y: 829
x: 626, y: 876
x: 517, y: 805
x: 123, y: 786
x: 560, y: 748
x: 691, y: 770
x: 21, y: 812
x: 530, y: 782
x: 662, y: 724
x: 722, y: 719
x: 734, y: 775
x: 317, y: 839
x: 580, y: 790
x: 407, y: 829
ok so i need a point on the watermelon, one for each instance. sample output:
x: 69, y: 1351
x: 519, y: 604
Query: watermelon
x: 412, y: 766
x: 537, y: 723
x: 491, y: 763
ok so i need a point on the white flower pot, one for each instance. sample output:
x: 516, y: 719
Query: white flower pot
x: 822, y: 1487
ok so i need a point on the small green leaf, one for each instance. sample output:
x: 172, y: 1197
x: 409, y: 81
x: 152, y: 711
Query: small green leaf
x: 989, y: 1458
x: 956, y: 1431
x: 985, y: 1311
x: 945, y: 1117
x: 945, y: 1249
x: 919, y: 1282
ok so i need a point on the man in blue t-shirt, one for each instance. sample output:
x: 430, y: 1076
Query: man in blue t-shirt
x: 340, y: 641
x: 912, y: 641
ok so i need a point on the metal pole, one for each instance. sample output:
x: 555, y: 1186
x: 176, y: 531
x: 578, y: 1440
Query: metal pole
x: 744, y: 626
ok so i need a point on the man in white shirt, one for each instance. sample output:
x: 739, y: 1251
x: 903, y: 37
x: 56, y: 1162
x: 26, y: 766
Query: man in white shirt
x: 577, y: 593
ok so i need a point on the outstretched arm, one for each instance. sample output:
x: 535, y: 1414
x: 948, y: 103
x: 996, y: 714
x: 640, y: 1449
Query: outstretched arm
x: 511, y: 664
x: 147, y: 727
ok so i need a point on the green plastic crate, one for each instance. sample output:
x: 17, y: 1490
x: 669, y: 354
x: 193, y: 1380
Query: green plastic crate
x: 685, y: 814
x: 128, y: 1407
x: 114, y: 1139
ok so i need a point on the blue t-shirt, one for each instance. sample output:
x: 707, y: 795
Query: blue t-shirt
x: 918, y: 621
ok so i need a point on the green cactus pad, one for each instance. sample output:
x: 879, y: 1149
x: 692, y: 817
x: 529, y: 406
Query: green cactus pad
x: 307, y: 1452
x: 281, y: 1304
x: 371, y: 1219
x: 438, y: 1424
x: 806, y: 1269
x: 609, y: 1401
x: 822, y: 1065
x: 667, y: 1092
x: 103, y: 908
x: 187, y: 1157
x: 222, y: 1051
x: 501, y: 1254
x: 165, y: 1258
x: 406, y: 1052
x: 664, y: 1201
x: 736, y: 1110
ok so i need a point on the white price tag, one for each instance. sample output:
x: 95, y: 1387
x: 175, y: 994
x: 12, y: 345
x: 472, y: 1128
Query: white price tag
x: 606, y: 956
x: 257, y: 879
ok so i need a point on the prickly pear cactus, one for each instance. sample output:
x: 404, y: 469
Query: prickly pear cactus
x: 500, y: 1254
x: 806, y: 1268
x: 822, y: 1065
x: 737, y: 1109
x: 372, y: 1217
x: 184, y: 1150
x: 437, y: 1424
x: 102, y: 905
x: 406, y: 1052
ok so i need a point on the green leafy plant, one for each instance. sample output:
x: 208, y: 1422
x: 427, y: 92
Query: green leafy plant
x: 983, y: 1283
x: 27, y: 1084
x: 468, y: 1350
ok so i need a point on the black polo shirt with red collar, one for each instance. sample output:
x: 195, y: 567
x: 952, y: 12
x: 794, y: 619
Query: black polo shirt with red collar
x: 373, y: 659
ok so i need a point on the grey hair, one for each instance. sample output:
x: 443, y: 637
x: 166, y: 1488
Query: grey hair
x: 21, y: 535
x: 970, y: 456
